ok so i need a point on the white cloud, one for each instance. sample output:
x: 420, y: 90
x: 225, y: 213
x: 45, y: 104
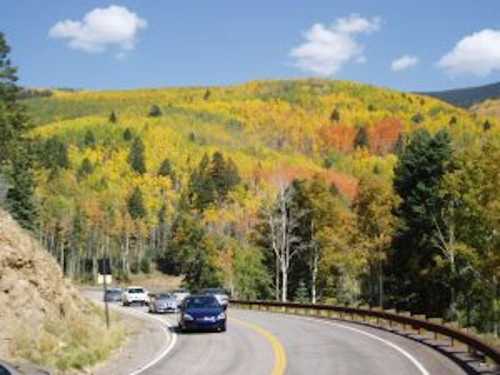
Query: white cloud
x: 327, y: 49
x: 477, y: 54
x: 404, y: 62
x: 100, y: 29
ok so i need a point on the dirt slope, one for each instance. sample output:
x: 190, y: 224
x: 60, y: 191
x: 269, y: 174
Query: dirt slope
x: 43, y: 319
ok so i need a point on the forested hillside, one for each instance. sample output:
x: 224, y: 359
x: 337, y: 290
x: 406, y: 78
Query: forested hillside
x: 468, y: 96
x: 315, y: 190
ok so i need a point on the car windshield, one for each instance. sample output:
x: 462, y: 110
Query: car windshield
x: 136, y: 290
x: 113, y: 291
x: 163, y: 296
x: 214, y: 291
x: 201, y: 302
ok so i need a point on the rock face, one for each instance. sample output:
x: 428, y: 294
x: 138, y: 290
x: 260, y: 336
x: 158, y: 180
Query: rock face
x: 32, y: 287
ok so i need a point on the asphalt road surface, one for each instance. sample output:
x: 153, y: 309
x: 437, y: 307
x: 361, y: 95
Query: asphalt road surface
x: 265, y: 343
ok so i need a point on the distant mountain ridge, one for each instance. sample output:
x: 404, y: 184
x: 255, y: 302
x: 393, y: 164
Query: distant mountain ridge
x: 469, y: 96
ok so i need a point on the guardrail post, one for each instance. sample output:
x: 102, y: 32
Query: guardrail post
x: 407, y: 314
x: 453, y: 325
x: 436, y: 321
x: 390, y: 311
x: 421, y: 317
x: 363, y: 316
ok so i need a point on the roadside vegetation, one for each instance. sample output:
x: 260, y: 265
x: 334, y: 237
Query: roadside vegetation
x: 310, y: 190
x: 75, y: 342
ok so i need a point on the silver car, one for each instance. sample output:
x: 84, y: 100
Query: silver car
x: 163, y: 303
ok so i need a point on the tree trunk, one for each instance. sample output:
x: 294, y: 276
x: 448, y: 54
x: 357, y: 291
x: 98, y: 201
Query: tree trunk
x: 284, y: 284
x: 380, y: 284
x: 314, y: 276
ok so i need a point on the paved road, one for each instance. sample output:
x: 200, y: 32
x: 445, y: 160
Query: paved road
x: 264, y: 343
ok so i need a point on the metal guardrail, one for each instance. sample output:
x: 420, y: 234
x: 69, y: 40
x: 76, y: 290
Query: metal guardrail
x: 417, y: 322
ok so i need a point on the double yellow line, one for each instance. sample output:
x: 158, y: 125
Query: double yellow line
x: 278, y: 349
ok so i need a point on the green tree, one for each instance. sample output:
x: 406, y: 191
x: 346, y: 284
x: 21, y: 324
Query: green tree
x: 361, y: 139
x: 374, y: 206
x: 252, y: 279
x: 189, y: 240
x: 16, y: 154
x: 128, y: 135
x: 55, y: 154
x: 302, y: 294
x: 89, y: 139
x: 207, y: 94
x: 135, y: 204
x: 155, y: 111
x: 335, y: 115
x: 20, y: 199
x: 418, y: 174
x: 165, y: 168
x: 136, y: 156
x: 468, y: 238
x: 113, y: 118
x: 85, y: 169
x: 201, y: 188
x: 417, y: 118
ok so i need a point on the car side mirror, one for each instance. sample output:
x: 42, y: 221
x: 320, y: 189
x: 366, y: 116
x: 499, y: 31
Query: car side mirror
x: 224, y: 307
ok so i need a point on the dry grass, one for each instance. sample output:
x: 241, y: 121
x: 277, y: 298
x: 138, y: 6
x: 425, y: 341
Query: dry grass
x: 73, y: 343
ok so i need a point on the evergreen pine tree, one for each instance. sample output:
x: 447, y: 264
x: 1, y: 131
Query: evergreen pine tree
x: 417, y: 181
x: 16, y: 154
x: 335, y: 116
x: 301, y: 293
x: 86, y: 168
x: 20, y: 195
x: 165, y: 168
x: 135, y: 205
x: 155, y: 111
x: 417, y: 118
x: 202, y: 190
x: 113, y: 118
x: 89, y: 139
x: 361, y: 139
x: 486, y: 125
x: 136, y: 156
x: 127, y: 135
x: 232, y: 175
x: 218, y: 174
x: 55, y: 154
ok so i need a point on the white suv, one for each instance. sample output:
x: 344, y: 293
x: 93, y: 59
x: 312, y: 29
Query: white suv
x: 135, y: 294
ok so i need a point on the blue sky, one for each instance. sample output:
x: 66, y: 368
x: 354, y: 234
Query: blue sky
x: 439, y: 44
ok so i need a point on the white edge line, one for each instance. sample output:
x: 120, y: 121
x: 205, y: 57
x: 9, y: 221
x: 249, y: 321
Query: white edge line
x: 411, y: 358
x: 171, y: 337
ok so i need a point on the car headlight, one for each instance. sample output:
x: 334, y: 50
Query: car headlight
x: 221, y: 316
x: 187, y: 317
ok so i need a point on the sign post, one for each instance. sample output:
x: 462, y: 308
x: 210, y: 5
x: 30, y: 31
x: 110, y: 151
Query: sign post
x: 105, y: 270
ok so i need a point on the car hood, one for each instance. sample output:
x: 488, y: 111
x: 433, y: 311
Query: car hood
x: 198, y: 313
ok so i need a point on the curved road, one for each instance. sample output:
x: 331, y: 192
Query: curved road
x: 264, y: 343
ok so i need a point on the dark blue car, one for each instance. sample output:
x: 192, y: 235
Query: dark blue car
x: 202, y: 312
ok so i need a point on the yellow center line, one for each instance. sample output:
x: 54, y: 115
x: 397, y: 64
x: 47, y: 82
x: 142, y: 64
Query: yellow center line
x: 278, y: 349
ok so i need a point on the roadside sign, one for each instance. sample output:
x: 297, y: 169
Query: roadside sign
x: 100, y: 279
x: 104, y: 266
